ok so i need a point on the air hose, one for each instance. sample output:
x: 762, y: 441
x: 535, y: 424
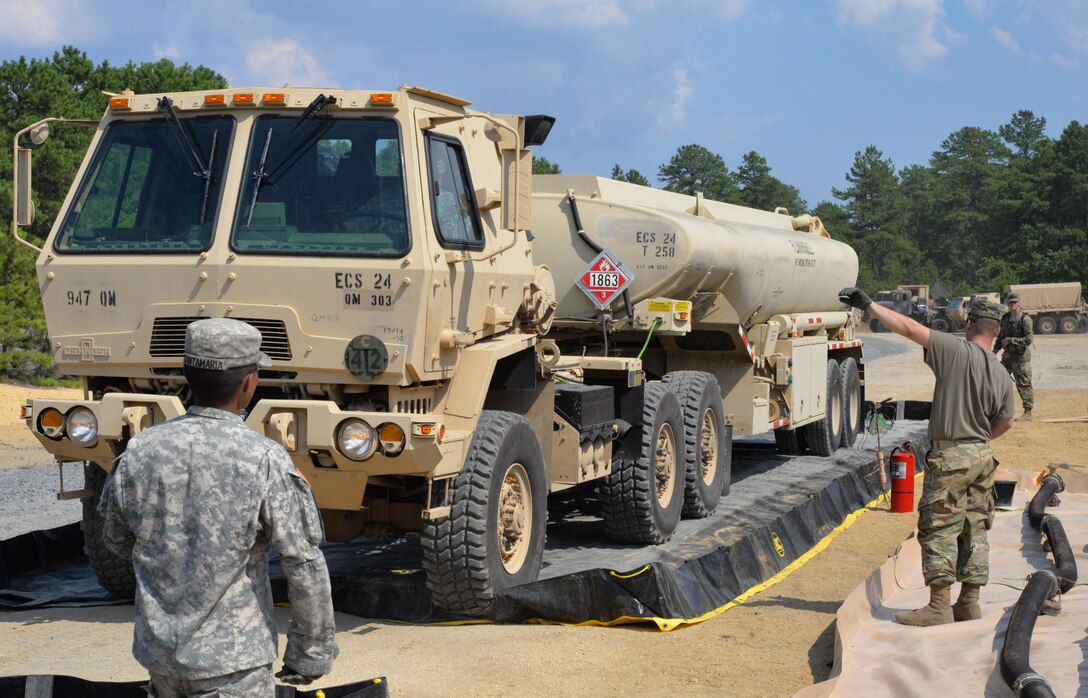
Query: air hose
x: 1040, y: 596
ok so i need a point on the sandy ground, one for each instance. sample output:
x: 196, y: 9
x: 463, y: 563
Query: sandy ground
x: 774, y: 644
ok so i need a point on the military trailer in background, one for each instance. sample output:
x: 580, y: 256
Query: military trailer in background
x: 1053, y: 308
x: 452, y: 339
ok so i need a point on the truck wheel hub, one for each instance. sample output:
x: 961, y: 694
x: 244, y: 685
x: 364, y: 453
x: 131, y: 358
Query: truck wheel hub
x: 515, y: 518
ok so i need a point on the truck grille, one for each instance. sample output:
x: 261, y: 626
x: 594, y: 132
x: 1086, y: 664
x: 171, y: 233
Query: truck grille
x: 168, y: 336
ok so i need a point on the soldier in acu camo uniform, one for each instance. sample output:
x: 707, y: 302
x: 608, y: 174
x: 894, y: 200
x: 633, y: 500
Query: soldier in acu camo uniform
x: 196, y: 503
x: 1015, y: 341
x: 972, y: 403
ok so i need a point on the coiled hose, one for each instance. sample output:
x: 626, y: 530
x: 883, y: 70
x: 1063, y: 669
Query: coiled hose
x: 1042, y: 586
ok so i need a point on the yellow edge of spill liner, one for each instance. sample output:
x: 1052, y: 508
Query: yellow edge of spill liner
x: 667, y: 624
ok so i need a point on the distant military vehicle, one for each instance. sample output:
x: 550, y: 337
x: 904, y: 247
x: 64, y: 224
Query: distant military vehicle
x: 1058, y: 307
x: 926, y: 304
x: 436, y: 365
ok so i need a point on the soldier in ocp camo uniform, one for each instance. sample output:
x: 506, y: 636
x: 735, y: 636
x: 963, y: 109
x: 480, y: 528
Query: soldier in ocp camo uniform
x: 196, y: 503
x: 972, y: 403
x: 1017, y: 334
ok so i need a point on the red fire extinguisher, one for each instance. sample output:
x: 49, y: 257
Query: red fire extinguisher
x: 902, y: 466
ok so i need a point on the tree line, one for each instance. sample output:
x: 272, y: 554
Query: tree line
x: 991, y: 207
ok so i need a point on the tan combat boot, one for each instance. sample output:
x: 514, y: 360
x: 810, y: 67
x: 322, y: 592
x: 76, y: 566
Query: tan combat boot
x: 1026, y: 417
x: 966, y: 606
x: 937, y: 612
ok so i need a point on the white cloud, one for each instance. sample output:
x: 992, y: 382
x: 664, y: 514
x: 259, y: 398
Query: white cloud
x: 43, y: 22
x: 275, y: 61
x: 916, y: 27
x: 170, y: 51
x: 1007, y: 40
x: 732, y: 9
x: 578, y: 13
x: 1063, y: 62
x: 979, y: 8
x: 675, y: 112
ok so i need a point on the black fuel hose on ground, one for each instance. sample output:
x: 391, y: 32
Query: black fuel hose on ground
x: 1042, y: 586
x: 1063, y: 552
x: 1051, y: 485
x: 1015, y: 653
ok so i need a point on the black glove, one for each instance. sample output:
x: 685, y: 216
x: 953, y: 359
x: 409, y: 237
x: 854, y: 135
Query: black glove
x: 855, y: 297
x: 294, y: 677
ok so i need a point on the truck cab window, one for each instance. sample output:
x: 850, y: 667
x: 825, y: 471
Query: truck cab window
x: 140, y: 194
x: 325, y: 186
x: 454, y: 210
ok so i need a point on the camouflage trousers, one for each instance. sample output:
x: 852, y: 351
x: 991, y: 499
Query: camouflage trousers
x: 954, y: 513
x: 1021, y: 375
x: 247, y: 683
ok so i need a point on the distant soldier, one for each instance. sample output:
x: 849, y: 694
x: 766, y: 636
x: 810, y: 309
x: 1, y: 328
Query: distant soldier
x: 972, y: 403
x: 196, y: 503
x: 1015, y: 341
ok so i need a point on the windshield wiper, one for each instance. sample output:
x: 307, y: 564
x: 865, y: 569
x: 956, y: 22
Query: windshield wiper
x: 187, y: 140
x: 293, y: 149
x: 208, y: 179
x: 259, y: 175
x: 297, y: 143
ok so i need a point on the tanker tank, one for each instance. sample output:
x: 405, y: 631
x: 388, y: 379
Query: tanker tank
x: 740, y: 265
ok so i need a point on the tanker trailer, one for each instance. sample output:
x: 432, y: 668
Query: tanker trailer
x: 427, y: 375
x: 759, y: 289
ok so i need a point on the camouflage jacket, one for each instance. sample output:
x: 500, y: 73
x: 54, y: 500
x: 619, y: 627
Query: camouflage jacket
x: 196, y: 503
x: 1019, y: 331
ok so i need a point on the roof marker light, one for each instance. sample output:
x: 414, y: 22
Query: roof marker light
x: 274, y: 98
x: 120, y: 103
x: 243, y: 98
x: 215, y: 100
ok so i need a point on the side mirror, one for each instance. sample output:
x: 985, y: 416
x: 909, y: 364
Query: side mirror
x: 24, y: 205
x: 537, y: 128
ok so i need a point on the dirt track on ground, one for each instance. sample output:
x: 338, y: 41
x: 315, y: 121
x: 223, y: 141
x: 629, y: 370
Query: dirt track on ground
x: 777, y: 642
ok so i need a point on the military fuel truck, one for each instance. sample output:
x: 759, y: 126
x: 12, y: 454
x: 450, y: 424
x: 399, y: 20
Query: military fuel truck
x: 441, y: 361
x: 1058, y: 307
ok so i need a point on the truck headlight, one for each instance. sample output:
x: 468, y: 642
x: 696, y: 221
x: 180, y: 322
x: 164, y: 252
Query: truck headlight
x: 82, y: 426
x: 356, y: 439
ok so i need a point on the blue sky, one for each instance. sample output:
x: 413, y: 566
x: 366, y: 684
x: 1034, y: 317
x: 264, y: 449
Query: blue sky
x: 807, y: 83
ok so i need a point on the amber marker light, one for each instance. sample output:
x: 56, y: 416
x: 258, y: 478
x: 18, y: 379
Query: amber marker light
x: 381, y: 98
x: 215, y: 100
x: 245, y: 98
x: 392, y: 439
x: 273, y: 98
x: 683, y: 317
x: 119, y: 103
x: 51, y: 422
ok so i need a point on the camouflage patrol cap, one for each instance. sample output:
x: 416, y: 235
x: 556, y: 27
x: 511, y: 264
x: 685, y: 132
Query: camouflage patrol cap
x: 218, y: 344
x: 1012, y: 297
x: 984, y: 308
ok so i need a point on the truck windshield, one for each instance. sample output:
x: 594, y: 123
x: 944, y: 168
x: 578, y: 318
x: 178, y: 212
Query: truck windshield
x: 325, y: 186
x: 140, y: 193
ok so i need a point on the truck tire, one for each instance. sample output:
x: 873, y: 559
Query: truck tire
x: 493, y: 538
x: 706, y: 453
x: 1082, y: 324
x: 641, y: 499
x: 874, y: 326
x: 113, y: 572
x: 1068, y: 324
x: 940, y: 324
x: 1046, y: 324
x: 790, y: 442
x: 851, y: 401
x: 824, y: 436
